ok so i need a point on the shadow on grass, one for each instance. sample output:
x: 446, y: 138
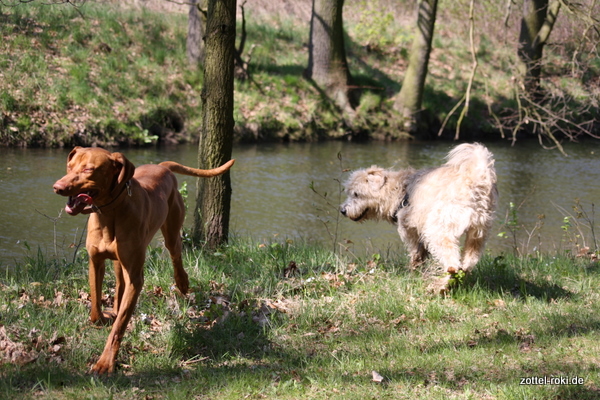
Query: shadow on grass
x: 238, y: 335
x: 235, y: 349
x: 498, y: 277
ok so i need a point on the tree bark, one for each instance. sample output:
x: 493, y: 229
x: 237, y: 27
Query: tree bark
x: 536, y: 25
x: 211, y: 219
x: 194, y: 43
x: 327, y: 64
x: 409, y: 100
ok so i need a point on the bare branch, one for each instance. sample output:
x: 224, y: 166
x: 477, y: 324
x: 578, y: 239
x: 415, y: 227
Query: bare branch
x: 467, y: 96
x: 181, y: 3
x: 474, y: 65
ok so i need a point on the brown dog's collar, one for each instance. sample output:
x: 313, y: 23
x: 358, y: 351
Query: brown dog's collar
x: 113, y: 202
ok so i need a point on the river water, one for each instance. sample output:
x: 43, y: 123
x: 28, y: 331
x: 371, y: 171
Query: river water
x: 292, y: 191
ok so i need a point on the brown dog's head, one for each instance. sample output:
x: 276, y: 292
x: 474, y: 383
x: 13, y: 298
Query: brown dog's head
x: 94, y: 177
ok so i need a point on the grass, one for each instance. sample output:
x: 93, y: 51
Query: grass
x: 106, y: 74
x: 86, y: 75
x: 290, y: 320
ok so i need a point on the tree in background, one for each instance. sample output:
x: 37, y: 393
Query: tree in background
x: 194, y: 43
x: 538, y: 20
x: 211, y: 217
x: 327, y: 64
x: 408, y: 101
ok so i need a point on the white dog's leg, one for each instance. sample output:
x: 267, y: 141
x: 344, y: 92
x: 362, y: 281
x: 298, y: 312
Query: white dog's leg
x: 416, y: 251
x: 446, y: 250
x: 474, y: 245
x: 419, y: 256
x: 415, y: 248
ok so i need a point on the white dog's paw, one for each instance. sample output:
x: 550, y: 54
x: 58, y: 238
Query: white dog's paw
x: 440, y: 285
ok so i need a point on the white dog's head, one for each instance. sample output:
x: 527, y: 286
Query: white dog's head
x: 374, y: 193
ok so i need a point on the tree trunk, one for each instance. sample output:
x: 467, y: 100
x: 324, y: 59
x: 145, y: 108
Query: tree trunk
x: 211, y: 219
x: 327, y: 65
x: 194, y: 44
x: 536, y: 26
x: 409, y: 100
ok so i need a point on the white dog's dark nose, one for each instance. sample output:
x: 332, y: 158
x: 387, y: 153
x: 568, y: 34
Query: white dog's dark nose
x: 343, y: 211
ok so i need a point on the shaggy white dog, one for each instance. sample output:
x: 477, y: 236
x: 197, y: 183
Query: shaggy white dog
x: 432, y: 207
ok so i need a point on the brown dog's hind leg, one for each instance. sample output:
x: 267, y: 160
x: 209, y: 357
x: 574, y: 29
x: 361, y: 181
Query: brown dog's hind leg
x: 119, y: 289
x: 171, y: 231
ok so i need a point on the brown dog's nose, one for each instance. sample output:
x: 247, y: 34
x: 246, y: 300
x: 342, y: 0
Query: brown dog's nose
x: 59, y: 187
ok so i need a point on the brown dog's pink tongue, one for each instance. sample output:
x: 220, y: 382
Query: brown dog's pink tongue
x: 75, y: 205
x: 84, y: 198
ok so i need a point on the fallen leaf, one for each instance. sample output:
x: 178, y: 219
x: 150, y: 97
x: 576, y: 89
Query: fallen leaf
x: 377, y: 377
x: 499, y: 303
x: 58, y: 299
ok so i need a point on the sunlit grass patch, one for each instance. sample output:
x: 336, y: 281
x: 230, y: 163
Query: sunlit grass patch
x: 79, y: 68
x: 287, y: 319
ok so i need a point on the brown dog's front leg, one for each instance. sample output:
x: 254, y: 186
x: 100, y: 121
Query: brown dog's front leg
x: 96, y: 276
x: 107, y: 361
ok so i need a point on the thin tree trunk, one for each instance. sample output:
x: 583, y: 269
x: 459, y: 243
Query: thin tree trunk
x: 409, y: 100
x: 194, y: 44
x: 327, y: 64
x: 211, y: 219
x: 536, y: 26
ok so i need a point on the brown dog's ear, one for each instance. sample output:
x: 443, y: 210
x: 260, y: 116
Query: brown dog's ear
x: 125, y: 170
x: 72, y: 153
x: 376, y: 179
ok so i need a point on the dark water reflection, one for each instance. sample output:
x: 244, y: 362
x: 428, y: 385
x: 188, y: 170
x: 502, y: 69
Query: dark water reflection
x: 273, y: 199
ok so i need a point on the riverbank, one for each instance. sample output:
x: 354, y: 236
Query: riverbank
x: 290, y: 320
x: 102, y: 74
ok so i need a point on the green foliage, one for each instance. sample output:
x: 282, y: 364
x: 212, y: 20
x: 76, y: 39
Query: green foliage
x: 75, y: 70
x: 374, y: 24
x: 105, y: 73
x: 368, y: 103
x: 8, y: 102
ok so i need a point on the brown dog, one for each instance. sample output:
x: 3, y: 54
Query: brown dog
x: 128, y: 206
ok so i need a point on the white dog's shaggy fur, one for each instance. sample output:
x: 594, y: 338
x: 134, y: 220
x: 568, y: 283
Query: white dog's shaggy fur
x: 433, y: 207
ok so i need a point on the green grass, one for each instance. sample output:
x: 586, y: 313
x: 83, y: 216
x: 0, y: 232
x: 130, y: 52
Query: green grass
x: 73, y: 76
x: 98, y: 74
x: 250, y: 328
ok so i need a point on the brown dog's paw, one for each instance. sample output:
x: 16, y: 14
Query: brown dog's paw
x: 102, y: 368
x: 182, y: 282
x: 105, y: 319
x: 106, y: 364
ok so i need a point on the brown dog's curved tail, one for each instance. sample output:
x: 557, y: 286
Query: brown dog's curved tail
x: 200, y: 173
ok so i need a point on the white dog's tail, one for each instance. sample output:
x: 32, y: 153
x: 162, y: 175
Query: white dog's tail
x: 475, y: 161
